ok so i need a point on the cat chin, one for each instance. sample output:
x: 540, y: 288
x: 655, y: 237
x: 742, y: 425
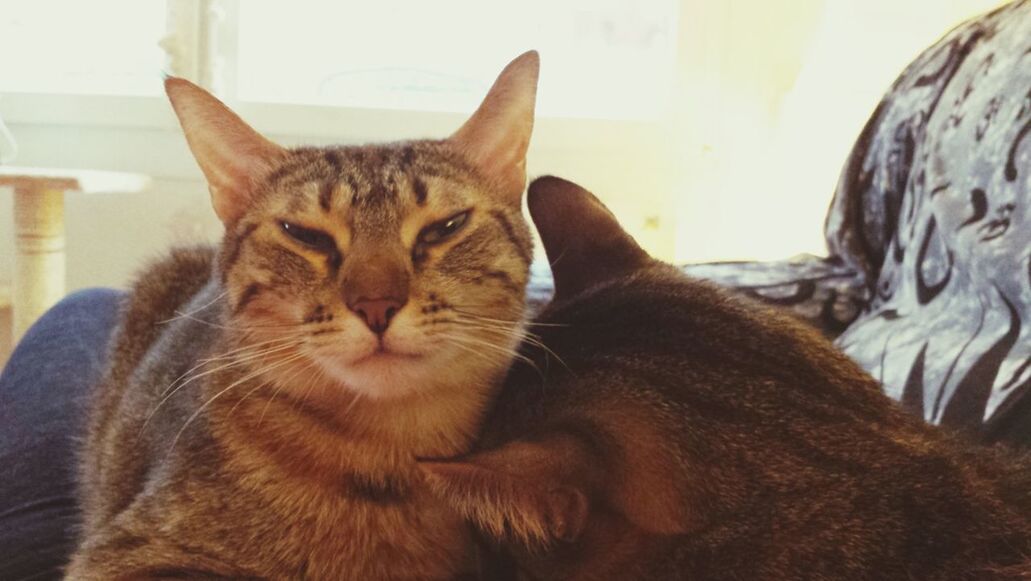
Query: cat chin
x: 379, y: 375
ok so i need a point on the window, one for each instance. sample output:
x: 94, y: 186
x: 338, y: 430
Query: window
x: 611, y: 59
x: 96, y: 47
x: 601, y: 58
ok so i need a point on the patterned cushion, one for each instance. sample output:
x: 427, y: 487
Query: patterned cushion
x: 933, y: 209
x: 825, y: 293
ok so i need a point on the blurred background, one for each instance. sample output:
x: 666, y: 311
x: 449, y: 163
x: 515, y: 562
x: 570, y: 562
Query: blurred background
x: 715, y: 129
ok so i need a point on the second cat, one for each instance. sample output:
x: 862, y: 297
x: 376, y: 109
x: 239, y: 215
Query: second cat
x: 665, y: 430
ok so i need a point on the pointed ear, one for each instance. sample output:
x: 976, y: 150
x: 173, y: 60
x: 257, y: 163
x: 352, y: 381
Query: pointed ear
x: 583, y: 240
x: 497, y: 136
x: 232, y: 156
x: 513, y: 491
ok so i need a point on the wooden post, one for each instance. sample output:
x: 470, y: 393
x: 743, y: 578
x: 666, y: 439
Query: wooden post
x: 39, y: 261
x: 39, y: 265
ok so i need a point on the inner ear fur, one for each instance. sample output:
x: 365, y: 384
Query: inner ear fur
x: 495, y: 139
x: 233, y: 156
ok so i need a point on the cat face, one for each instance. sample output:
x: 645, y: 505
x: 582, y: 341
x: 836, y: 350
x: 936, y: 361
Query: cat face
x: 392, y: 262
x: 373, y: 269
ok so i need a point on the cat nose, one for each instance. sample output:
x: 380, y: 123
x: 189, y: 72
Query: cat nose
x: 376, y: 313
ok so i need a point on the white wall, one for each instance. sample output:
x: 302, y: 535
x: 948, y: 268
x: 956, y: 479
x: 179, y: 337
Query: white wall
x: 773, y: 96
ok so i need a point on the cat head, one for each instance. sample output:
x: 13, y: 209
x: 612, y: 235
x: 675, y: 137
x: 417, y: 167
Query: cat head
x: 377, y: 270
x: 552, y: 484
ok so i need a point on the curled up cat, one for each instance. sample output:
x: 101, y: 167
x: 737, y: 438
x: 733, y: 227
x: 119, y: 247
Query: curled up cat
x: 661, y: 429
x: 266, y: 398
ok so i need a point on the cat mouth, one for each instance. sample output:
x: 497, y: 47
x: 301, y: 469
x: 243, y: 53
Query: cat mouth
x: 385, y: 354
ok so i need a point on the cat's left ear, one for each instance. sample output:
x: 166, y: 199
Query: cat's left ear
x: 232, y: 156
x: 518, y: 490
x: 497, y: 136
x: 584, y: 242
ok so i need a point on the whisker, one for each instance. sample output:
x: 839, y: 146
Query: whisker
x: 357, y: 397
x: 260, y: 386
x: 455, y: 343
x: 315, y: 379
x: 463, y: 311
x: 229, y: 355
x: 169, y: 394
x: 238, y: 327
x: 527, y: 338
x: 506, y: 352
x: 509, y: 354
x: 195, y: 311
x: 252, y: 346
x: 245, y: 396
x: 514, y: 335
x: 237, y: 360
x: 505, y: 356
x: 282, y: 384
x: 205, y: 405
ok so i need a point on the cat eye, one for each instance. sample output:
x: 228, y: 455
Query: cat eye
x: 314, y: 239
x: 439, y: 231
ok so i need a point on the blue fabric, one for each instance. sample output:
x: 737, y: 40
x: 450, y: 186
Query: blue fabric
x: 43, y: 390
x: 933, y: 210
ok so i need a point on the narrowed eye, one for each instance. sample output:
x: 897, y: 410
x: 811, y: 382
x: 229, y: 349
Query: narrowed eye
x: 314, y: 239
x: 438, y: 231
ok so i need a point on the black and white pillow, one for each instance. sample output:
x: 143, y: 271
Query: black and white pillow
x: 934, y: 210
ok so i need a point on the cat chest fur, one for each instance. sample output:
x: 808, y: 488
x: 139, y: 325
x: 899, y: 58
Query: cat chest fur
x: 314, y: 530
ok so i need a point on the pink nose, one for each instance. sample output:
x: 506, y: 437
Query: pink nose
x: 377, y: 313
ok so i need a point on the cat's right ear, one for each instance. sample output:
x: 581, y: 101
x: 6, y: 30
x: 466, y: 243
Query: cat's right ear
x: 584, y: 242
x: 497, y: 136
x: 232, y: 156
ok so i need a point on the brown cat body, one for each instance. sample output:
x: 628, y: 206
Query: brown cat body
x: 669, y: 431
x: 265, y: 400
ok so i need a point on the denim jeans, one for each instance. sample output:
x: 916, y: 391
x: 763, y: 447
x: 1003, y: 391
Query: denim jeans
x: 43, y: 391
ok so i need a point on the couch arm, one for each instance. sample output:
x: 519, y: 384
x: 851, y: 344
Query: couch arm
x: 825, y: 293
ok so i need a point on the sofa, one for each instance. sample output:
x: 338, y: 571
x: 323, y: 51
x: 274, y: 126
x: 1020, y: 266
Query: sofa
x: 927, y: 278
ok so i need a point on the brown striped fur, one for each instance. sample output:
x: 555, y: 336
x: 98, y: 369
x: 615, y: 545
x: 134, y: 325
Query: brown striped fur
x: 251, y: 424
x: 671, y: 432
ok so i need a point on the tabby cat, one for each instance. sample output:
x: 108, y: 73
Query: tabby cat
x: 664, y: 430
x: 266, y: 399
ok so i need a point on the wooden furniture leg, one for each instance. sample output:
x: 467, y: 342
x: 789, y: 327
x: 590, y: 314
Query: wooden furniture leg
x: 39, y: 266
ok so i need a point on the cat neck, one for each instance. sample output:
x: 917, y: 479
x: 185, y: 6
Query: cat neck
x: 337, y: 433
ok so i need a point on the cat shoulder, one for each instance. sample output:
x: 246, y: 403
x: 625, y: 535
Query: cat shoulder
x: 169, y: 281
x: 156, y: 295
